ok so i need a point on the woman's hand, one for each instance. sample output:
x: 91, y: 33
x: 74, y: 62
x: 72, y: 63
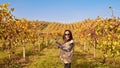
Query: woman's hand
x: 57, y: 44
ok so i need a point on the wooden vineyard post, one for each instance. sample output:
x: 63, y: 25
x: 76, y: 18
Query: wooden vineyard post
x: 94, y: 37
x: 24, y: 51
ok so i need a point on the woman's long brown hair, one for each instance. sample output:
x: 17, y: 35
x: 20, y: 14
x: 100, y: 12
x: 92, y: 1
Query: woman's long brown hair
x: 71, y: 37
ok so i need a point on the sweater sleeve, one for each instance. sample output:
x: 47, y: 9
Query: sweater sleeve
x: 68, y: 49
x: 58, y: 44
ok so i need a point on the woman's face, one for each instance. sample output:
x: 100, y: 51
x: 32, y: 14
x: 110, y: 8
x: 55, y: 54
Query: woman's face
x: 67, y: 35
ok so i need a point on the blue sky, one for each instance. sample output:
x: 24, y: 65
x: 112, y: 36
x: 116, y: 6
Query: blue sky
x: 64, y: 11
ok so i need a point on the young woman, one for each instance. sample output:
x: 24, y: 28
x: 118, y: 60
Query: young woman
x: 66, y: 53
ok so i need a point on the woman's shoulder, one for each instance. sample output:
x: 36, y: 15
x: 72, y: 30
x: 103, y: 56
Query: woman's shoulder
x: 71, y: 41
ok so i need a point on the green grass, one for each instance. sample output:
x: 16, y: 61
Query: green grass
x: 3, y: 55
x: 46, y: 62
x: 49, y: 58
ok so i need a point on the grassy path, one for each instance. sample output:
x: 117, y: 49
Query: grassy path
x: 49, y: 58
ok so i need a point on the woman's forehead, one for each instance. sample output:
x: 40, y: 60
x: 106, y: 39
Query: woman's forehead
x: 67, y: 32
